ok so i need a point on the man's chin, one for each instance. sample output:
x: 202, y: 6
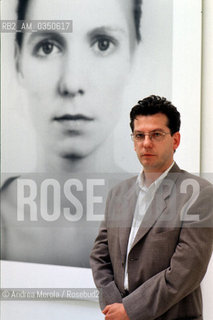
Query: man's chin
x: 148, y: 162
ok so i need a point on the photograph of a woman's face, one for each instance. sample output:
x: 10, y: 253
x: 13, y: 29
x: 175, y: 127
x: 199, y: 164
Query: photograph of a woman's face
x: 74, y: 81
x: 77, y: 87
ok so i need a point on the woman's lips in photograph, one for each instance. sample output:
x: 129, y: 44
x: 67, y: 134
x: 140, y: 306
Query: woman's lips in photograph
x: 73, y: 124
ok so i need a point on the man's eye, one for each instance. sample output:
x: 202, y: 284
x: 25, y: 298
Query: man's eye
x: 139, y: 136
x: 47, y: 48
x: 156, y: 134
x: 103, y: 46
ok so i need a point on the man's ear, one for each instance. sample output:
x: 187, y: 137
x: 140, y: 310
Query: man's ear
x: 18, y: 65
x: 176, y: 140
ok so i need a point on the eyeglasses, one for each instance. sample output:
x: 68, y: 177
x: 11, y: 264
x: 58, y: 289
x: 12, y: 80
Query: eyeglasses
x: 155, y: 136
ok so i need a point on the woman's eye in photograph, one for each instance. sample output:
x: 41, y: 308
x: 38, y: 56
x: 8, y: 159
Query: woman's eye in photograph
x: 104, y: 45
x: 47, y: 48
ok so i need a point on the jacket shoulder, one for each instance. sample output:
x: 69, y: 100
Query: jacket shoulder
x: 183, y: 175
x: 203, y: 183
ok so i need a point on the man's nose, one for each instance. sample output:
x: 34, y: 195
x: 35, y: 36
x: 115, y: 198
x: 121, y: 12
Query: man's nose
x: 147, y: 140
x: 73, y: 78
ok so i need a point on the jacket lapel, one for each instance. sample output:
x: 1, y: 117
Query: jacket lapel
x: 128, y: 209
x: 158, y: 204
x: 154, y: 211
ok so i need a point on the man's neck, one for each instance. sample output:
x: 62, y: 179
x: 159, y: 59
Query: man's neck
x: 150, y: 177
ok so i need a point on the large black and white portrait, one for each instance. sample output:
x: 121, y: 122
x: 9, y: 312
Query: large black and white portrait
x: 66, y: 119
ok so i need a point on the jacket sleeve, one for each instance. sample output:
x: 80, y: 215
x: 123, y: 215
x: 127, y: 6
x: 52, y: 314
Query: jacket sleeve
x: 187, y: 266
x: 102, y: 268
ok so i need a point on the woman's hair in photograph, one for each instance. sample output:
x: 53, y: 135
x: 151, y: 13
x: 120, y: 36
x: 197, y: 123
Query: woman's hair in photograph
x: 21, y: 13
x: 153, y: 105
x: 22, y: 9
x: 137, y: 18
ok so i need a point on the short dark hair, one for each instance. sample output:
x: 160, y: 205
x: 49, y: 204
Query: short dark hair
x: 154, y: 104
x: 22, y: 9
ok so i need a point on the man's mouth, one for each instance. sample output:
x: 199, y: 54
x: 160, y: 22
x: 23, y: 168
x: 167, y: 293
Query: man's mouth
x: 148, y: 155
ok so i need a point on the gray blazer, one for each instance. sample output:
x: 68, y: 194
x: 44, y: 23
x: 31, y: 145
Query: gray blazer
x: 170, y: 253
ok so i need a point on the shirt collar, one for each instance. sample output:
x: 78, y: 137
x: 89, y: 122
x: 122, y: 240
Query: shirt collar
x: 141, y: 183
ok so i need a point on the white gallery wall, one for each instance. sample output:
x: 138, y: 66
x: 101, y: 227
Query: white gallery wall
x: 207, y: 128
x: 206, y: 89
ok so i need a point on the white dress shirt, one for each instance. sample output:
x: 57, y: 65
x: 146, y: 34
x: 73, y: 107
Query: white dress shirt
x: 145, y: 197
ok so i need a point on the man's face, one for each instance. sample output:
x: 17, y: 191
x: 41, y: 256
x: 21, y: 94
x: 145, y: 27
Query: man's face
x: 155, y: 156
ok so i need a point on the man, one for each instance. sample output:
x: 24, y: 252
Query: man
x: 155, y: 243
